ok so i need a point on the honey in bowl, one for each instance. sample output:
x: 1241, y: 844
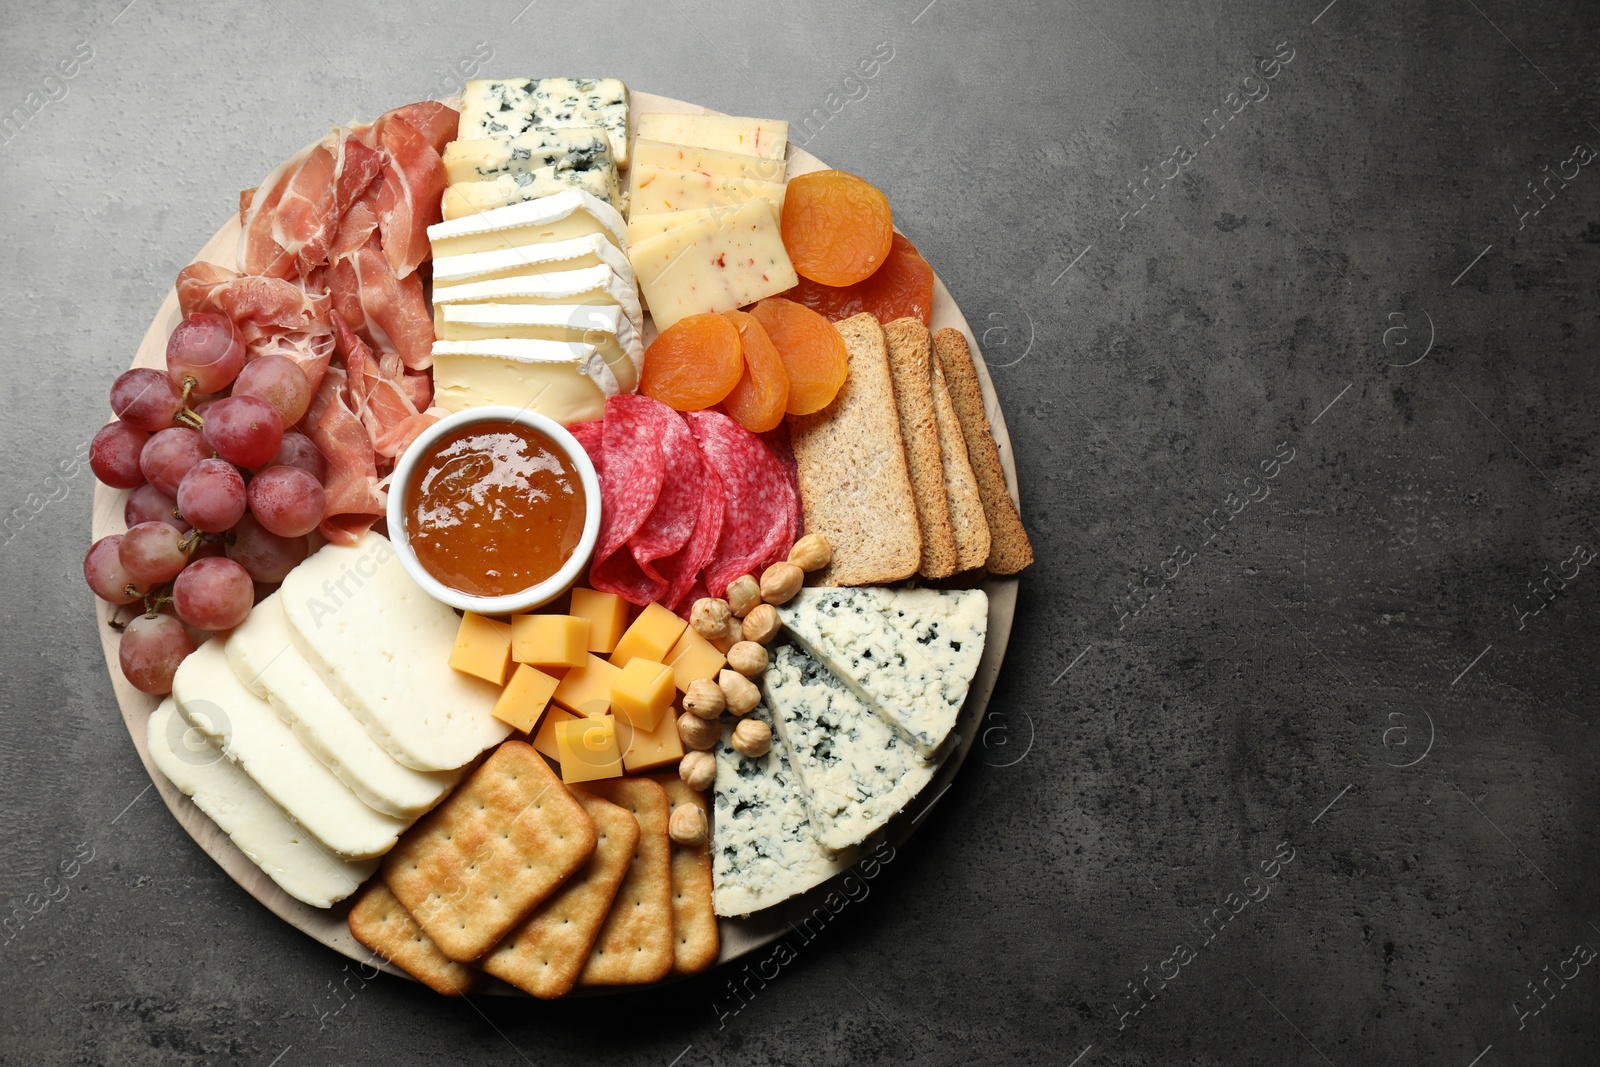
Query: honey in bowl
x: 494, y: 508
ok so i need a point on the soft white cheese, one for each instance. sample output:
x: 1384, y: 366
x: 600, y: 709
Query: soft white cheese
x: 561, y: 217
x: 531, y: 259
x: 586, y: 285
x: 568, y: 382
x: 603, y: 326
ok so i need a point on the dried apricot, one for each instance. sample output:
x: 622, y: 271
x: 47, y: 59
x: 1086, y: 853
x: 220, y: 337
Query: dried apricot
x: 757, y: 402
x: 900, y: 289
x: 836, y: 227
x: 811, y: 349
x: 694, y: 363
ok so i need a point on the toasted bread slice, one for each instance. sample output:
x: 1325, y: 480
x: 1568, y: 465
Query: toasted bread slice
x: 1009, y: 548
x: 855, y: 488
x: 911, y: 367
x: 967, y: 521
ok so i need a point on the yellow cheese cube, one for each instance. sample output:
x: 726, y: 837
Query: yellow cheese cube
x: 642, y: 751
x: 641, y: 692
x: 651, y: 636
x: 587, y: 689
x: 693, y: 657
x: 607, y: 614
x: 588, y: 749
x: 545, y: 739
x: 550, y: 640
x: 525, y: 697
x: 483, y: 648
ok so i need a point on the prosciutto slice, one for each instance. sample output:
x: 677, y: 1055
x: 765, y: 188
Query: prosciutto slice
x: 436, y: 122
x: 409, y: 197
x: 379, y: 395
x: 355, y: 499
x: 330, y: 180
x: 290, y: 318
x: 389, y: 313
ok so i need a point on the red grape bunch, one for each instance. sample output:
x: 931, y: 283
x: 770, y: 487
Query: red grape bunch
x: 223, y: 495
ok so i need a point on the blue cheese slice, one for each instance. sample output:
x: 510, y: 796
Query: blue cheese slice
x: 857, y: 770
x: 909, y: 654
x: 488, y: 158
x: 505, y: 108
x: 764, y: 848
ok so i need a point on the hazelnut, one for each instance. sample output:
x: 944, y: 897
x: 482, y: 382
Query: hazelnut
x: 743, y: 594
x: 688, y: 825
x: 699, y: 733
x: 709, y: 617
x: 761, y: 625
x: 698, y: 770
x: 811, y: 553
x: 752, y: 738
x: 739, y: 692
x: 704, y: 699
x: 748, y: 658
x: 729, y: 636
x: 780, y: 582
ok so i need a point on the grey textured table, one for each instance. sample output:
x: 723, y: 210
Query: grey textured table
x: 1289, y: 765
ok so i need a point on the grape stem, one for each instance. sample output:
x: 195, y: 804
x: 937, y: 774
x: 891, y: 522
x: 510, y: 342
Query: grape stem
x: 186, y: 416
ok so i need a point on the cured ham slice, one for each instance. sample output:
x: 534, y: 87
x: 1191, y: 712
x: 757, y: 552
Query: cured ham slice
x: 758, y: 502
x: 410, y: 195
x: 436, y: 122
x: 354, y: 497
x: 272, y: 314
x: 259, y: 252
x: 388, y: 312
x: 379, y: 395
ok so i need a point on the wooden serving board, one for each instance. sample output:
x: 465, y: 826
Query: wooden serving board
x: 739, y: 936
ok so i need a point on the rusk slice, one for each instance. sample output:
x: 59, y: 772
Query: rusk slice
x: 855, y: 488
x: 911, y: 368
x: 967, y: 520
x: 1009, y: 549
x: 695, y: 940
x: 379, y: 921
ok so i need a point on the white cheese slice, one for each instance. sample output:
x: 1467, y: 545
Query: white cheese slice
x: 713, y: 264
x: 857, y: 770
x: 257, y: 827
x: 484, y: 159
x: 655, y: 190
x: 763, y: 847
x: 568, y: 382
x: 725, y: 133
x: 214, y: 701
x: 560, y: 217
x: 507, y: 107
x: 659, y: 154
x: 586, y: 285
x: 910, y: 654
x: 601, y: 325
x: 528, y: 260
x: 262, y: 654
x: 383, y: 646
x: 469, y: 198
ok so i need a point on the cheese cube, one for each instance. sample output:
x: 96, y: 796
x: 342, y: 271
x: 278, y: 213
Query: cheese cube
x: 482, y: 649
x: 545, y: 739
x: 607, y: 614
x: 587, y: 689
x: 587, y: 749
x: 693, y: 657
x: 554, y: 378
x: 656, y: 190
x: 651, y: 636
x: 642, y: 692
x: 713, y: 265
x: 648, y: 153
x: 465, y: 199
x: 647, y: 750
x: 525, y: 698
x: 727, y: 133
x: 550, y: 640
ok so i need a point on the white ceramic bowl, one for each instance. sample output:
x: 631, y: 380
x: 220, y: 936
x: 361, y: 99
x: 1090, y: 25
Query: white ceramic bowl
x: 534, y: 596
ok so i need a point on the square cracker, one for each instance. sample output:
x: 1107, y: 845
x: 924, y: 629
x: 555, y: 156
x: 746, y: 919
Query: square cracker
x: 695, y: 940
x: 545, y: 954
x: 478, y: 863
x: 635, y: 944
x: 379, y: 921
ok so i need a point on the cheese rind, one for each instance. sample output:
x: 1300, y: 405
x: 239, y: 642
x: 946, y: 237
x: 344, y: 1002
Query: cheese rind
x: 256, y: 826
x: 382, y: 645
x: 507, y: 107
x: 764, y: 848
x: 567, y: 382
x: 767, y: 138
x: 656, y: 190
x: 213, y: 700
x: 857, y: 770
x: 260, y: 651
x: 469, y: 198
x: 560, y: 217
x: 648, y: 153
x: 909, y: 654
x: 602, y: 325
x: 531, y: 259
x: 713, y: 265
x: 586, y: 285
x: 487, y: 158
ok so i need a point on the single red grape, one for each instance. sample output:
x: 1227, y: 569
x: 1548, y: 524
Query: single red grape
x: 114, y: 454
x: 153, y: 553
x: 170, y: 455
x: 211, y: 496
x: 213, y: 594
x: 146, y: 398
x: 268, y: 557
x: 243, y: 430
x: 103, y: 570
x: 298, y: 450
x: 149, y: 504
x: 287, y: 500
x: 152, y: 647
x: 280, y: 382
x: 205, y: 348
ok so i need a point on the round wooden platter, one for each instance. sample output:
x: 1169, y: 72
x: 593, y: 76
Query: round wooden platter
x: 739, y: 936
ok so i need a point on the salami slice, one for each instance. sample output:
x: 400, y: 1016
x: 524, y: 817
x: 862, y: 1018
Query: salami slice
x: 757, y: 508
x: 672, y: 520
x: 778, y: 441
x: 631, y: 472
x: 591, y: 435
x: 682, y: 569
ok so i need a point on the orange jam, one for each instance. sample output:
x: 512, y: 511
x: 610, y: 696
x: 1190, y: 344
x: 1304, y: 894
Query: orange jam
x: 494, y: 508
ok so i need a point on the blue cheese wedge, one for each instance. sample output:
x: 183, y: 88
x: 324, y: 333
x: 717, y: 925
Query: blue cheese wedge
x: 469, y: 198
x: 764, y: 848
x: 503, y: 108
x: 909, y: 654
x: 857, y: 770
